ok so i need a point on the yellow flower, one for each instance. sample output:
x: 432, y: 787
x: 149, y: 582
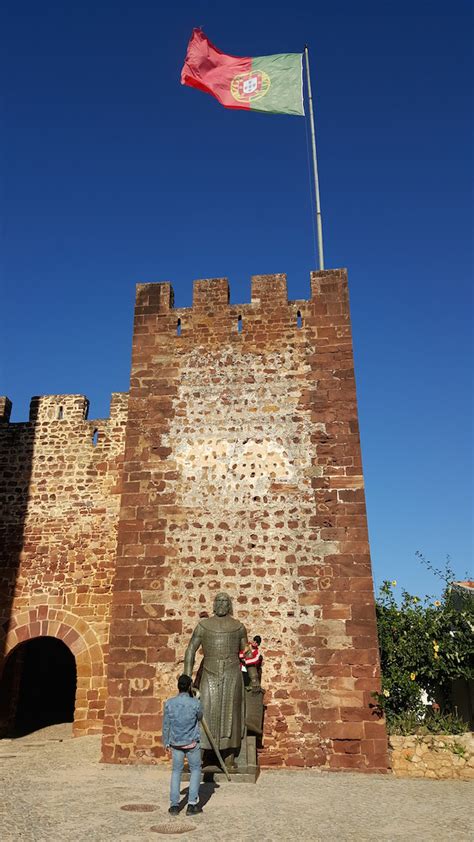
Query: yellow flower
x: 386, y: 694
x: 413, y: 676
x: 435, y: 646
x: 394, y: 583
x: 437, y: 603
x: 436, y: 655
x: 416, y: 599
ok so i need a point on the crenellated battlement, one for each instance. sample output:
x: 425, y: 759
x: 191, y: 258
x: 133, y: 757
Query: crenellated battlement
x: 72, y: 408
x: 213, y: 314
x: 59, y: 408
x: 5, y: 408
x: 269, y: 289
x: 211, y: 294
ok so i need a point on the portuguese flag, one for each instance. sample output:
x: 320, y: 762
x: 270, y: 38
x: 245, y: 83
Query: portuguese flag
x: 266, y: 83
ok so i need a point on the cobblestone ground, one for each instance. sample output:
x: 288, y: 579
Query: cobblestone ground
x: 58, y: 790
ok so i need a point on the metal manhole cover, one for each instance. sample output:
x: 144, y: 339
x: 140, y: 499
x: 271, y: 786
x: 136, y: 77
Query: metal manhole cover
x: 139, y: 808
x: 172, y: 827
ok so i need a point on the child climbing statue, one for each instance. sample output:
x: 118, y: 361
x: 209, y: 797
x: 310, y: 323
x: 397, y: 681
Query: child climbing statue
x: 251, y: 657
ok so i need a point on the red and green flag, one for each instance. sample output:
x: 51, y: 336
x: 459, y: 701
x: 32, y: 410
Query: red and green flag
x: 262, y: 83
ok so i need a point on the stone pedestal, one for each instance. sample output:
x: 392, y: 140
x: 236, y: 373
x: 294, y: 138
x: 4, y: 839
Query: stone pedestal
x: 247, y: 770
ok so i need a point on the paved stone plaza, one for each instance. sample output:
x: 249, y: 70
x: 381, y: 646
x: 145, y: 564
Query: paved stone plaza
x: 59, y: 791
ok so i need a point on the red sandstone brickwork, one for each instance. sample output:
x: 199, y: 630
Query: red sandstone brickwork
x: 242, y: 472
x: 59, y: 502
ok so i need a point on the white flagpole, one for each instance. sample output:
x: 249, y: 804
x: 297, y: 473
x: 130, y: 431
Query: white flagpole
x: 319, y: 222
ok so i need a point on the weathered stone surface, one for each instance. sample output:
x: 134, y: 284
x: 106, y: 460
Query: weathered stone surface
x: 442, y: 756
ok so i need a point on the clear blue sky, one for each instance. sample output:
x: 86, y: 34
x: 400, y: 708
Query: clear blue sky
x: 115, y: 173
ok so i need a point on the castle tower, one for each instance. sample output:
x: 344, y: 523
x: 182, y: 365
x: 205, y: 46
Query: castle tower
x: 242, y: 472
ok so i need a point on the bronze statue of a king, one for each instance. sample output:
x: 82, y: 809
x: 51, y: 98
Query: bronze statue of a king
x: 221, y: 686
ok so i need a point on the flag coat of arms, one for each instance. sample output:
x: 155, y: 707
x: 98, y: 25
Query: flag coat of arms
x: 262, y: 83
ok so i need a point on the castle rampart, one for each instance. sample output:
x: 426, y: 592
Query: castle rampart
x: 59, y: 501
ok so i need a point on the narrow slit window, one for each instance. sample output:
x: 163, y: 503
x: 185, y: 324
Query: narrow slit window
x: 239, y: 324
x: 95, y: 437
x: 178, y: 327
x: 60, y: 413
x: 299, y: 320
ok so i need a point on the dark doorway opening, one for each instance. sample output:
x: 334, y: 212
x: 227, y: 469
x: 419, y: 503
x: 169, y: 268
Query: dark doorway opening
x: 38, y: 686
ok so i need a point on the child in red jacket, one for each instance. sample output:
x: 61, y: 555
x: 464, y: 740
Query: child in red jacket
x: 251, y: 657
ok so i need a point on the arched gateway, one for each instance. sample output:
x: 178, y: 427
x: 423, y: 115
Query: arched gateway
x: 49, y: 641
x: 38, y: 686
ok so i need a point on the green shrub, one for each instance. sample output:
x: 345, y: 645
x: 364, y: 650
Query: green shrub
x: 424, y: 645
x: 410, y: 723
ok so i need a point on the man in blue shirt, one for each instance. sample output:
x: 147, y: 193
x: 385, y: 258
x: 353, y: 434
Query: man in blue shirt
x: 181, y: 735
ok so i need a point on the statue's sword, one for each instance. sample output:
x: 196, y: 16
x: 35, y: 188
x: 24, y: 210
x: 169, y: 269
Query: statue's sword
x: 215, y: 749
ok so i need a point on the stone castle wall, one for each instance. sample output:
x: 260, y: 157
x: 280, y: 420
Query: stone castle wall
x: 59, y: 503
x: 440, y: 756
x: 242, y: 472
